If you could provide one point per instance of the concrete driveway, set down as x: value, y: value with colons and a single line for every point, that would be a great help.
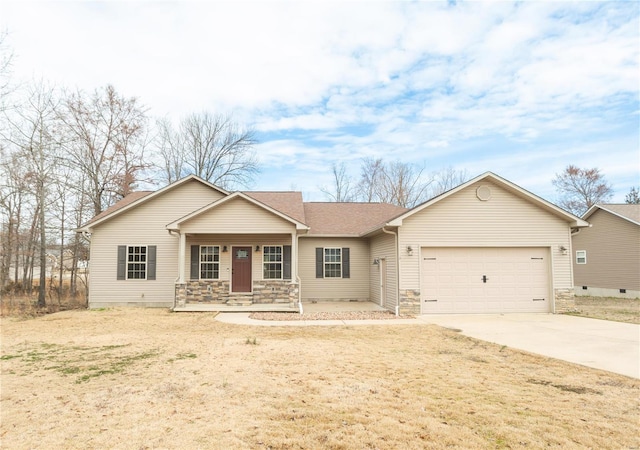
x: 601, y: 344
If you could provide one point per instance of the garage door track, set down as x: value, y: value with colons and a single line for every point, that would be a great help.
x: 601, y: 344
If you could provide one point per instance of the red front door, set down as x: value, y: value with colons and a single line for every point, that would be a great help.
x: 241, y: 269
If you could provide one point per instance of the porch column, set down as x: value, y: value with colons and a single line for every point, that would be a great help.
x: 294, y: 257
x: 181, y: 257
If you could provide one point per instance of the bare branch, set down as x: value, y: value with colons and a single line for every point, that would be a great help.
x: 580, y: 189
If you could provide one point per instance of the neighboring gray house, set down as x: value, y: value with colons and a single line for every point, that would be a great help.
x: 484, y: 246
x: 606, y: 260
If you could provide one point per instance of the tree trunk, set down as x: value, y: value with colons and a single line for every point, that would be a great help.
x: 42, y: 289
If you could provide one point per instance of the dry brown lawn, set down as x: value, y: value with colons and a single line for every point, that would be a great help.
x: 609, y: 308
x: 141, y: 379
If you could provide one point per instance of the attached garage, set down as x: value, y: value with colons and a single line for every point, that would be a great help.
x: 486, y: 246
x: 485, y: 280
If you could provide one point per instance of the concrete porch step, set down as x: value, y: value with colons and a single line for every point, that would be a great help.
x: 255, y: 307
x: 240, y: 301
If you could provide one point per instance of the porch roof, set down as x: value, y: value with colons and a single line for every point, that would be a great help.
x: 175, y: 225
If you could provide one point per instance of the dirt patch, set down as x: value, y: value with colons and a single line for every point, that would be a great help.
x: 141, y: 378
x: 608, y: 308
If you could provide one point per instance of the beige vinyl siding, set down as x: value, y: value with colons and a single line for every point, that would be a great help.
x: 143, y: 225
x: 248, y: 240
x: 462, y: 220
x: 237, y: 216
x: 613, y: 253
x: 354, y: 288
x: 383, y: 246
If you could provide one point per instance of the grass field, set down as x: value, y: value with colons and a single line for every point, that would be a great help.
x: 141, y: 379
x: 609, y: 308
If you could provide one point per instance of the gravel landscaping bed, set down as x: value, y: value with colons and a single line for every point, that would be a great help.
x: 342, y: 315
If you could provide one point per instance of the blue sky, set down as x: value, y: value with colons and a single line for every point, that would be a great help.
x: 521, y: 89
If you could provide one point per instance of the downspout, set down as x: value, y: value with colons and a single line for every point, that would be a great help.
x: 397, y: 270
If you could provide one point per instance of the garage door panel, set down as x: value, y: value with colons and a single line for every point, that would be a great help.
x: 515, y: 280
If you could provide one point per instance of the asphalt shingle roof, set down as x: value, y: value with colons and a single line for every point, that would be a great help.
x: 348, y: 218
x: 323, y: 218
x: 629, y: 211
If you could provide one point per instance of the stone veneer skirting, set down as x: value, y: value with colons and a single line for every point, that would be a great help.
x: 565, y: 300
x: 410, y: 301
x: 217, y: 292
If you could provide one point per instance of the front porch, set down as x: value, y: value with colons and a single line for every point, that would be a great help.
x: 308, y: 307
x: 209, y: 295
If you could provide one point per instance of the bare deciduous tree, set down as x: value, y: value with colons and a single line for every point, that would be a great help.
x: 105, y: 141
x: 343, y: 189
x: 580, y: 189
x: 213, y: 147
x: 403, y: 185
x: 6, y: 59
x: 397, y: 183
x: 633, y: 197
x: 371, y: 172
x: 447, y: 179
x: 32, y: 132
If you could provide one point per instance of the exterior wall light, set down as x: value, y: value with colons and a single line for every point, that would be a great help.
x: 224, y: 249
x: 257, y: 248
x: 563, y: 249
x: 409, y: 250
x: 376, y: 261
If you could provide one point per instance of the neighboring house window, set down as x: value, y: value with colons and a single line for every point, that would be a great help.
x: 581, y: 257
x: 272, y: 262
x: 136, y: 262
x: 332, y: 262
x: 209, y: 262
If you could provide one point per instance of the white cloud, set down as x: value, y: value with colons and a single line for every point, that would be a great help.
x: 408, y: 80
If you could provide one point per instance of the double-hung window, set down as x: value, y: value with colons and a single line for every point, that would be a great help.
x: 272, y: 262
x: 136, y: 262
x: 581, y: 257
x: 209, y: 262
x: 333, y: 263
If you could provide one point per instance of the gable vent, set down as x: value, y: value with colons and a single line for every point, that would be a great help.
x: 483, y: 193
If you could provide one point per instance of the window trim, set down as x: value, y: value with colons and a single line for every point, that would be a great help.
x: 581, y: 254
x: 214, y: 263
x: 345, y: 263
x: 324, y: 262
x: 281, y: 262
x: 145, y: 263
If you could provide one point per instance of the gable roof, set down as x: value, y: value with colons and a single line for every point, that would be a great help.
x: 629, y: 212
x: 289, y: 203
x: 130, y: 198
x: 175, y: 225
x: 136, y: 198
x: 575, y: 221
x: 347, y: 219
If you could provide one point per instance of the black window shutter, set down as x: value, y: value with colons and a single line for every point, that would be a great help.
x: 122, y: 262
x: 286, y: 262
x: 151, y: 262
x: 346, y: 270
x: 195, y: 262
x: 319, y: 262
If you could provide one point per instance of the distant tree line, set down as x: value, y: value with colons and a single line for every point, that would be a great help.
x: 67, y: 155
x: 399, y: 183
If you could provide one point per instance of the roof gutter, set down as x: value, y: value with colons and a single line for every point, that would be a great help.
x: 395, y: 234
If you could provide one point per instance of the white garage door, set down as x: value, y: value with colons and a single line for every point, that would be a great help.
x: 484, y: 280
